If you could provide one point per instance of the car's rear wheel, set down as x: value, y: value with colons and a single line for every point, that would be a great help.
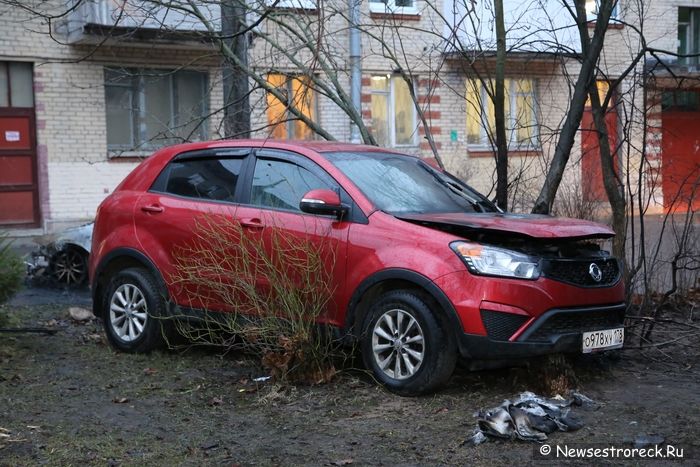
x: 405, y: 344
x: 133, y: 308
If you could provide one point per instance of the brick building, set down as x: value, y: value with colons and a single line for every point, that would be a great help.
x: 58, y: 159
x: 80, y: 107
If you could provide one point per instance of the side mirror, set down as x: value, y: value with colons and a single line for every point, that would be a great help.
x: 324, y: 202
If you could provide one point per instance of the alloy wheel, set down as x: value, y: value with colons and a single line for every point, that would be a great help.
x: 68, y: 267
x: 398, y: 344
x: 128, y: 312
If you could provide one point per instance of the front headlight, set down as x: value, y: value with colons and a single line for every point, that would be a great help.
x: 492, y: 261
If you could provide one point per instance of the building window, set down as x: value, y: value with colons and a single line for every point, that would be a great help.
x: 297, y: 90
x: 521, y: 123
x: 393, y: 111
x: 393, y: 6
x: 16, y: 84
x: 688, y: 34
x: 603, y: 88
x: 147, y: 109
x: 592, y: 10
x: 680, y: 101
x: 293, y: 4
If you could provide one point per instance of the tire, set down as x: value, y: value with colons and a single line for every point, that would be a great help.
x: 132, y: 301
x: 68, y: 267
x: 426, y: 353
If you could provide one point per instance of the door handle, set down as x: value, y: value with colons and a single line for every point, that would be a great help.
x: 253, y: 223
x: 154, y: 208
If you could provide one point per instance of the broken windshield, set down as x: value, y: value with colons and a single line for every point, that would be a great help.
x: 399, y: 184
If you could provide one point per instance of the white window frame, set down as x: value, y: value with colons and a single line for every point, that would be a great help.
x: 391, y: 113
x: 692, y: 42
x: 294, y: 4
x: 592, y: 10
x: 390, y: 7
x: 484, y: 142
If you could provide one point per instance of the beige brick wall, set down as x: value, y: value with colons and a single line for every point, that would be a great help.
x: 75, y: 173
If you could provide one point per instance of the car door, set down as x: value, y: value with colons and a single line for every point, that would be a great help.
x: 278, y: 182
x: 193, y: 190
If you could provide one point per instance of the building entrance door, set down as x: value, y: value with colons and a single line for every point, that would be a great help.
x: 19, y: 193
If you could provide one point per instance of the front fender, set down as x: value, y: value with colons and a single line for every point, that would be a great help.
x: 406, y: 276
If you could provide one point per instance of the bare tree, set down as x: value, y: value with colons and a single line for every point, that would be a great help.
x: 236, y: 88
x: 590, y: 53
x: 499, y: 109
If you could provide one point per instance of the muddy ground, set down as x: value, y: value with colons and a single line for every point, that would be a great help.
x: 69, y: 399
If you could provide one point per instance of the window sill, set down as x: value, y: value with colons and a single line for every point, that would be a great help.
x: 511, y: 153
x: 395, y: 16
x: 306, y: 10
x: 611, y: 24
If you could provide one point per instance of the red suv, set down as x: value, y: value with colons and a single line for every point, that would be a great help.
x: 427, y: 269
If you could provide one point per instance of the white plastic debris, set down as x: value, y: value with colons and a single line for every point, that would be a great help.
x: 478, y: 437
x: 529, y: 417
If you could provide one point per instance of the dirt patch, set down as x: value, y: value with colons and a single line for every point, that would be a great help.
x: 69, y: 399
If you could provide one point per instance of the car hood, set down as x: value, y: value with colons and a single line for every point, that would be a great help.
x: 526, y: 225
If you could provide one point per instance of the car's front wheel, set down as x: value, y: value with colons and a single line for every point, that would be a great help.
x: 133, y: 306
x: 405, y: 344
x: 69, y: 266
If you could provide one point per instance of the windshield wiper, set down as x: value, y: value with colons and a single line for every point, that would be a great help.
x: 479, y: 205
x: 476, y: 203
x: 455, y: 188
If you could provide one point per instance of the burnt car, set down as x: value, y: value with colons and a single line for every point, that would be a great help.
x: 63, y: 258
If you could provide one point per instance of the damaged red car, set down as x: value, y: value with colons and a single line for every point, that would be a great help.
x: 428, y: 270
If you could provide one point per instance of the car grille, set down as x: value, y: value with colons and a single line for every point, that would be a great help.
x: 501, y: 326
x: 577, y: 272
x: 560, y: 322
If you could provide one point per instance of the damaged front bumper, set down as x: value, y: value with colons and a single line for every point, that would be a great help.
x: 555, y: 331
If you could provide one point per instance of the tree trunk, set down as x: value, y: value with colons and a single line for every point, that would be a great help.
x: 613, y: 186
x: 590, y: 51
x: 499, y: 111
x: 235, y: 76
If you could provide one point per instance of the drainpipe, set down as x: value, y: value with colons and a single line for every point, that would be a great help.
x: 355, y: 67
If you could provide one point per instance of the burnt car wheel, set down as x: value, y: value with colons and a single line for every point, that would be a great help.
x: 405, y: 344
x: 69, y: 266
x: 133, y: 306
